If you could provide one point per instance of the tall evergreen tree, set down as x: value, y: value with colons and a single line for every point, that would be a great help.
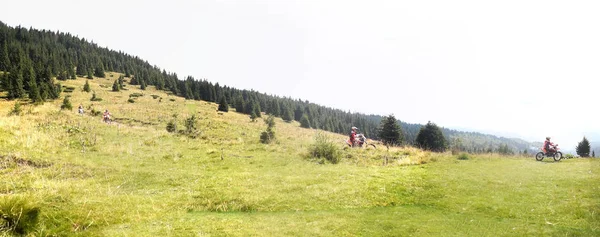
x: 143, y: 84
x: 81, y: 67
x: 273, y: 108
x: 72, y: 72
x: 15, y: 84
x: 304, y: 122
x: 4, y: 61
x: 240, y: 105
x: 288, y: 114
x: 256, y: 110
x: 430, y: 138
x: 583, y: 148
x: 34, y: 91
x: 390, y: 132
x: 99, y: 71
x: 223, y: 106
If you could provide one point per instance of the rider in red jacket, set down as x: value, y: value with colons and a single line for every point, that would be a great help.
x: 548, y: 146
x: 353, y: 135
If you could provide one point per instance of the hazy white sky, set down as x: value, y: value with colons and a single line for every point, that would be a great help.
x: 526, y: 69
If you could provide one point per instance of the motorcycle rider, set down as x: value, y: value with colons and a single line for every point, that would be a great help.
x: 106, y: 116
x: 548, y: 146
x: 353, y: 136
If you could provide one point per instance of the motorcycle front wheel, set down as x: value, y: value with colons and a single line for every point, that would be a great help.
x: 557, y: 156
x: 539, y: 156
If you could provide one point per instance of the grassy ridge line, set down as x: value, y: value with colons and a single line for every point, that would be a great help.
x: 140, y: 180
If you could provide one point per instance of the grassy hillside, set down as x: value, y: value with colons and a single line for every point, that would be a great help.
x: 133, y: 178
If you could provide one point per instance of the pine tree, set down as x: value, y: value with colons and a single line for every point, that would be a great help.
x: 253, y: 116
x: 223, y: 106
x: 390, y: 132
x: 304, y: 122
x: 3, y: 81
x: 121, y: 82
x: 89, y: 74
x: 4, y: 61
x: 72, y: 75
x: 249, y: 107
x: 256, y: 110
x: 99, y: 71
x: 274, y: 108
x: 240, y: 105
x: 81, y: 67
x: 288, y: 114
x: 583, y: 148
x: 430, y: 137
x: 593, y: 154
x: 115, y: 86
x: 34, y: 91
x: 269, y: 135
x: 86, y: 87
x: 143, y: 84
x: 66, y: 104
x: 15, y: 84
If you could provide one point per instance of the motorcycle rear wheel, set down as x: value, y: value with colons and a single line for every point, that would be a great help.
x: 539, y: 156
x: 557, y: 156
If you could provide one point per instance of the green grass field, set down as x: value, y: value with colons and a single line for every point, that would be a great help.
x: 133, y: 178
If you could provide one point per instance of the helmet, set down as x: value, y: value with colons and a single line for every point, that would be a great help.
x: 547, y: 138
x: 354, y: 128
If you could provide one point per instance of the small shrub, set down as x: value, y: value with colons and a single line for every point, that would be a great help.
x: 66, y: 104
x: 325, y: 149
x: 68, y: 89
x: 135, y: 95
x: 95, y: 112
x: 155, y: 97
x: 455, y: 151
x: 17, y: 215
x: 171, y: 126
x: 94, y: 98
x: 463, y: 156
x: 86, y: 87
x: 172, y: 99
x: 116, y: 87
x: 16, y: 109
x: 268, y: 136
x: 130, y: 100
x: 569, y: 156
x: 191, y: 129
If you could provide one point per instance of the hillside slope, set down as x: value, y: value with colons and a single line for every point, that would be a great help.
x: 133, y: 178
x: 46, y: 54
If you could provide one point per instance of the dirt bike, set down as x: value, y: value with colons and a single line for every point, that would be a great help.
x: 360, y: 141
x: 106, y: 119
x: 557, y: 155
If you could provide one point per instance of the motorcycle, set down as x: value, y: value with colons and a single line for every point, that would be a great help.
x: 557, y: 155
x: 360, y: 141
